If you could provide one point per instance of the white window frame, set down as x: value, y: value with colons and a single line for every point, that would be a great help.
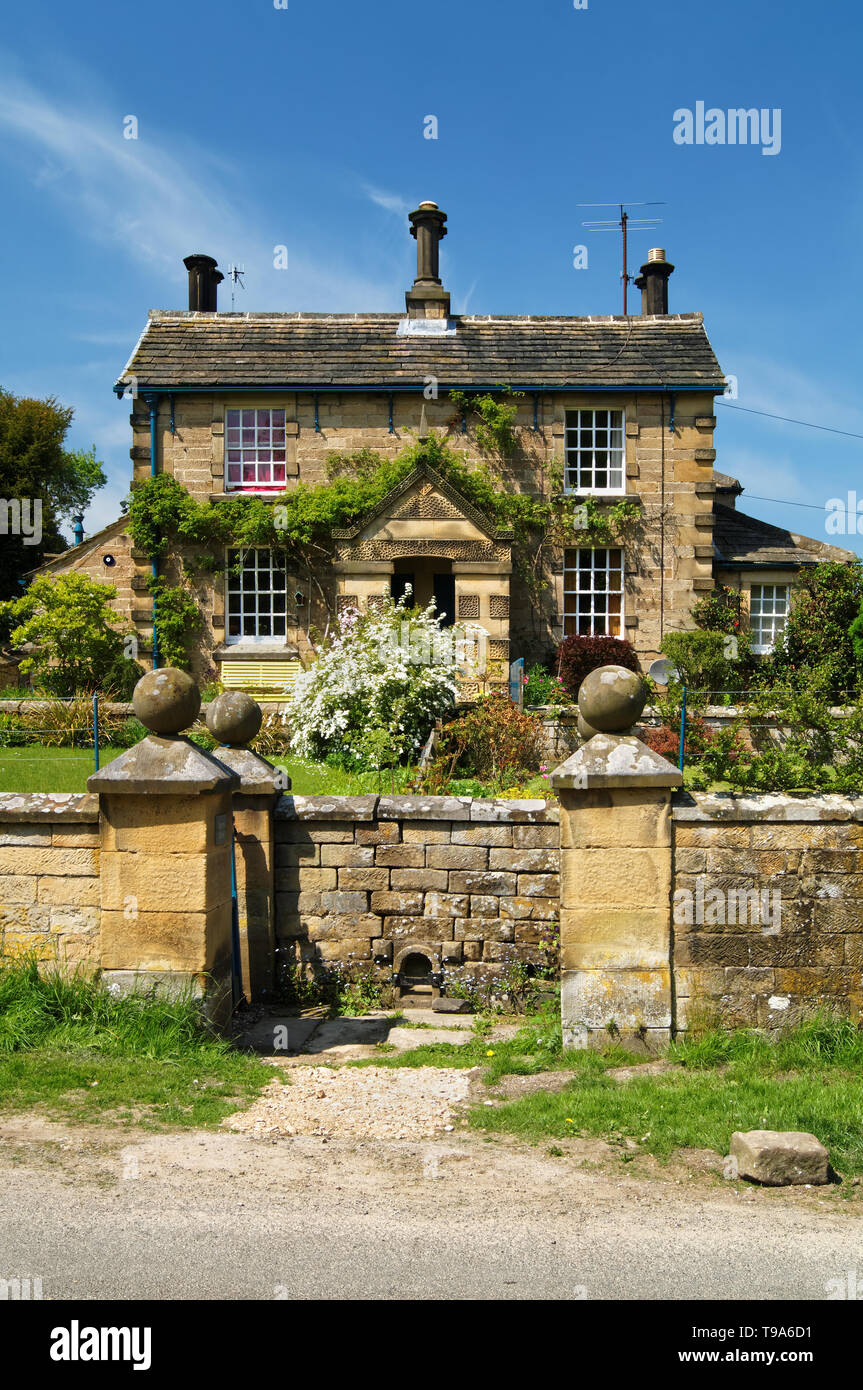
x: 573, y: 426
x: 598, y: 594
x: 276, y: 566
x: 249, y: 451
x: 767, y: 618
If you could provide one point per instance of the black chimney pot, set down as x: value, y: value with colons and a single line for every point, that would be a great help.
x: 653, y: 282
x: 204, y: 279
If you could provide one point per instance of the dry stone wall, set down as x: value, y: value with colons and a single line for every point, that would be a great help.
x: 472, y: 883
x: 767, y: 908
x: 49, y: 877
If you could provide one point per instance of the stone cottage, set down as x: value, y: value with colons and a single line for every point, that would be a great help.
x: 609, y: 407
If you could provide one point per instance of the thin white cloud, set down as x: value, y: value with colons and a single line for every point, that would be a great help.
x: 140, y: 195
x: 390, y: 202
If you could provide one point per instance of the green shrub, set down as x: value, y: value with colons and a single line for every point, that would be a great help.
x: 542, y: 688
x: 494, y: 740
x: 817, y: 646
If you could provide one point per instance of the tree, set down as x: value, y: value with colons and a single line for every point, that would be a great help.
x: 816, y: 649
x: 71, y: 627
x: 42, y: 484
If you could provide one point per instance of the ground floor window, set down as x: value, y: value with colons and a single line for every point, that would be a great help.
x: 593, y: 592
x: 768, y: 613
x: 257, y: 592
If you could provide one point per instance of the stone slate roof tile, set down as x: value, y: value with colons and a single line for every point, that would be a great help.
x: 744, y: 540
x: 304, y: 351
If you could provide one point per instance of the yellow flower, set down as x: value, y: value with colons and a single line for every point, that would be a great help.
x: 489, y: 1053
x: 570, y: 1122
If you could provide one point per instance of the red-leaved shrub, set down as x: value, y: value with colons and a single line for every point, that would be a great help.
x: 666, y: 741
x: 578, y: 656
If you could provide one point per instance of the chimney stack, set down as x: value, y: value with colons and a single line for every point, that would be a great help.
x: 204, y: 279
x: 653, y: 282
x: 427, y: 299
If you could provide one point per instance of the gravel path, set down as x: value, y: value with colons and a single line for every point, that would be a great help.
x: 363, y: 1102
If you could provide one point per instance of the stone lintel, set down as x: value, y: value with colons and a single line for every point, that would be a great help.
x: 613, y: 760
x: 164, y: 765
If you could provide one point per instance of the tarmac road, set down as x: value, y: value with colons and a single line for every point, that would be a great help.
x: 222, y: 1216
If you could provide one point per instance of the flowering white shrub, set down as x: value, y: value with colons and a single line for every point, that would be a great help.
x: 381, y: 679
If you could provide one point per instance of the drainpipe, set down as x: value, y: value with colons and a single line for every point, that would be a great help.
x: 153, y: 403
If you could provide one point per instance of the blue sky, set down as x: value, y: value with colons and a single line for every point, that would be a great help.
x: 304, y: 126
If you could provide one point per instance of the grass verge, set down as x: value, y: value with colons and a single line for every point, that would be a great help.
x: 806, y: 1078
x: 70, y: 1049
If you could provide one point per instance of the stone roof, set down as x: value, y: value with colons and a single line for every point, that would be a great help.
x: 741, y: 540
x: 188, y: 351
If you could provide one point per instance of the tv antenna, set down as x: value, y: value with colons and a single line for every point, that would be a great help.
x: 625, y: 224
x: 235, y: 275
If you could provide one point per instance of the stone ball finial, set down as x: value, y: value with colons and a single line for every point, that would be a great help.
x: 166, y: 700
x: 234, y: 718
x: 611, y: 699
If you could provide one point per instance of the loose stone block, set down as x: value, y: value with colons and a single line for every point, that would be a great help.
x: 780, y: 1158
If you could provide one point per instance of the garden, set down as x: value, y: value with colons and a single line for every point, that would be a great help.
x: 359, y: 719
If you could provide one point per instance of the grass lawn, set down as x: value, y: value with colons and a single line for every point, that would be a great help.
x: 35, y: 768
x: 810, y: 1078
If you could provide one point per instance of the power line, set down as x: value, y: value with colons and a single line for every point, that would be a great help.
x: 849, y: 434
x: 753, y: 497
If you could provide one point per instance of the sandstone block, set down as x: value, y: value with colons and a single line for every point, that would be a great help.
x: 365, y: 879
x: 780, y: 1158
x: 423, y: 879
x: 400, y: 856
x: 526, y: 861
x: 457, y: 857
x: 21, y: 888
x: 499, y: 836
x: 446, y: 904
x: 404, y: 903
x: 482, y: 883
x: 347, y: 856
x: 343, y: 902
x: 426, y: 833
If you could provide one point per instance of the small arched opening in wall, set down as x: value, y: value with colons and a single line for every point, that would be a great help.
x: 417, y: 974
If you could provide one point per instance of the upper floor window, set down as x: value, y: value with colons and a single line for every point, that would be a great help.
x: 768, y: 613
x: 594, y: 451
x: 593, y: 592
x: 255, y: 450
x: 257, y: 594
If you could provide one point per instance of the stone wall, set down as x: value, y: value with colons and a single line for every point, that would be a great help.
x: 773, y: 886
x: 49, y: 877
x: 366, y: 879
x: 669, y: 471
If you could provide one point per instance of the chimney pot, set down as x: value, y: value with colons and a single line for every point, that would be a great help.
x: 427, y: 299
x: 653, y: 282
x: 204, y: 279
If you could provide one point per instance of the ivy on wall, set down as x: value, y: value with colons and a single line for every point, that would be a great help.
x: 165, y: 520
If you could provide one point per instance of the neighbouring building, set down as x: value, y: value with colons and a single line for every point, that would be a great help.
x: 610, y: 407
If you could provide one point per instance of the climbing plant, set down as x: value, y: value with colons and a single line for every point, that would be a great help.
x: 164, y: 518
x: 494, y: 420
